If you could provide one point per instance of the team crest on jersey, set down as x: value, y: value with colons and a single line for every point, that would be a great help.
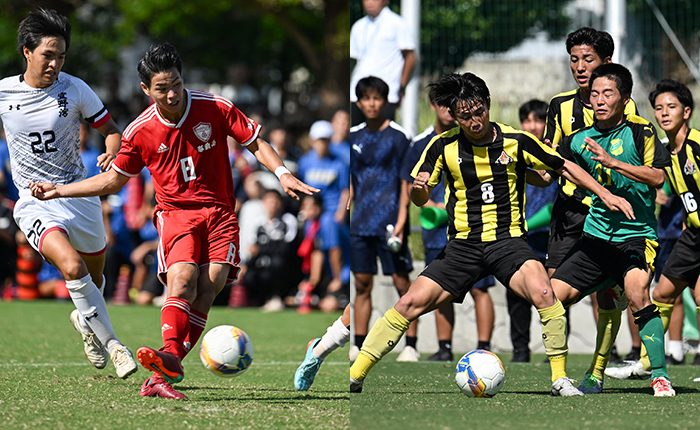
x: 616, y: 147
x: 690, y: 168
x: 504, y: 159
x: 203, y: 131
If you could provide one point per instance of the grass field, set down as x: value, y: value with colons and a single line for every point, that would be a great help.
x: 46, y: 382
x: 424, y: 396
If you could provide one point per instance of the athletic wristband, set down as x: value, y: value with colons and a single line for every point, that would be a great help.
x: 281, y: 170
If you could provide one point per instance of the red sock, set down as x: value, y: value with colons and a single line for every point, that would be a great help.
x: 198, y: 321
x: 175, y: 323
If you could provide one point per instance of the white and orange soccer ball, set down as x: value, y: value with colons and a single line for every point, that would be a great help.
x: 226, y: 350
x: 480, y: 373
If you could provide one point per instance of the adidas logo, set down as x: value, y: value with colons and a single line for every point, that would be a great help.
x: 162, y: 148
x: 165, y: 327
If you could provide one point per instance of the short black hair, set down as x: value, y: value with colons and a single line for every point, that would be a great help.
x: 538, y: 107
x: 158, y: 58
x: 617, y: 73
x: 601, y: 41
x: 453, y: 87
x: 681, y: 92
x: 42, y: 23
x: 372, y: 83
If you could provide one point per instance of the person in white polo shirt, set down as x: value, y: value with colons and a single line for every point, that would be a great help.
x: 382, y: 45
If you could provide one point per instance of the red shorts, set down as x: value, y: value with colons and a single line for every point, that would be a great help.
x: 198, y: 236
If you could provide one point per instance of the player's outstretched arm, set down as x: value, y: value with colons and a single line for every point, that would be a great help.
x: 420, y: 190
x: 578, y: 176
x: 113, y: 138
x: 267, y: 156
x: 647, y: 175
x: 108, y: 182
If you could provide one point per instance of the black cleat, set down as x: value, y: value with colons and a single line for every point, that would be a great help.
x: 441, y: 355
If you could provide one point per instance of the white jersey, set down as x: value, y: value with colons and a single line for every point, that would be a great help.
x: 43, y: 129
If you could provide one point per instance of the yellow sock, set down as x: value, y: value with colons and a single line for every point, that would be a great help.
x: 381, y: 339
x: 608, y: 326
x: 665, y: 310
x: 554, y: 338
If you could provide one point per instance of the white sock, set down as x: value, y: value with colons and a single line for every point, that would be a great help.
x: 92, y: 307
x: 81, y: 319
x: 675, y: 349
x: 336, y: 337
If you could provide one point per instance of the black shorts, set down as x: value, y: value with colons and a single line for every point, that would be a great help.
x: 566, y: 228
x: 684, y: 261
x: 593, y: 261
x: 464, y: 262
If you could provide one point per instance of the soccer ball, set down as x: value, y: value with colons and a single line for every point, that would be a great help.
x: 480, y: 373
x: 226, y: 350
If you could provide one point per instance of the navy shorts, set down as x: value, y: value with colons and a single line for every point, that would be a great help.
x: 364, y: 251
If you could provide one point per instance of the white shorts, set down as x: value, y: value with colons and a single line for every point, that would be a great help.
x: 80, y: 218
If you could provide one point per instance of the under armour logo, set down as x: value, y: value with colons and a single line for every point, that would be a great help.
x: 89, y: 317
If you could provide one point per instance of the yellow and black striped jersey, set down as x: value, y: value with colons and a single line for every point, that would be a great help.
x: 485, y: 185
x: 684, y: 176
x: 566, y: 115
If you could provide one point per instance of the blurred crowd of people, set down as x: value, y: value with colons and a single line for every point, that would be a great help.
x: 293, y: 254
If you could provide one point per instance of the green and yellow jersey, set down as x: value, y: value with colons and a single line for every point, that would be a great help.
x: 566, y: 115
x: 634, y: 142
x: 684, y: 176
x: 485, y: 185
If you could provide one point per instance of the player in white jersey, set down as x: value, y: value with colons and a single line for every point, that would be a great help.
x: 41, y: 111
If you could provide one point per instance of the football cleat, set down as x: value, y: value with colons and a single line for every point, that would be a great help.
x: 123, y: 361
x: 164, y: 363
x: 408, y: 355
x: 306, y: 372
x: 94, y: 351
x: 590, y: 385
x: 155, y: 386
x: 441, y: 355
x: 662, y: 387
x: 564, y: 387
x: 631, y: 370
x: 356, y: 386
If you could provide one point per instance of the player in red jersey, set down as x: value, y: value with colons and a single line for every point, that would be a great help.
x: 181, y: 139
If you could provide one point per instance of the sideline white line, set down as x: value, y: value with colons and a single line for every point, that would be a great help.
x: 86, y: 364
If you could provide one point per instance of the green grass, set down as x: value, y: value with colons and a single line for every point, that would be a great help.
x: 46, y: 382
x: 424, y: 396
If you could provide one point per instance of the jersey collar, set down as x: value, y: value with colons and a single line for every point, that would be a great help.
x: 188, y: 100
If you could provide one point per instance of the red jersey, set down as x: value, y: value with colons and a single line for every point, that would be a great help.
x: 189, y: 160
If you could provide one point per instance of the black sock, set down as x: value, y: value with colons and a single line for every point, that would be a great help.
x: 359, y: 340
x: 445, y: 345
x: 484, y: 344
x: 411, y: 341
x: 637, y: 349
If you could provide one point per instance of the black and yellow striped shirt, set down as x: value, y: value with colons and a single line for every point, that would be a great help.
x: 684, y: 176
x: 566, y: 115
x: 485, y: 185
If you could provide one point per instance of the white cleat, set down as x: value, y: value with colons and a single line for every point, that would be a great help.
x: 94, y: 351
x: 123, y: 361
x: 353, y: 353
x: 564, y: 387
x: 630, y: 370
x: 408, y: 355
x: 662, y: 387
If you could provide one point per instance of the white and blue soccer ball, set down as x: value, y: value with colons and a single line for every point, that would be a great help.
x: 226, y: 350
x: 480, y: 373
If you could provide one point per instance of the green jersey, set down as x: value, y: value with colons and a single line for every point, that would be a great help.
x: 634, y: 142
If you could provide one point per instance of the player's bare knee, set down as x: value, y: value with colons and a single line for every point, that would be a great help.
x: 73, y: 268
x: 409, y: 307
